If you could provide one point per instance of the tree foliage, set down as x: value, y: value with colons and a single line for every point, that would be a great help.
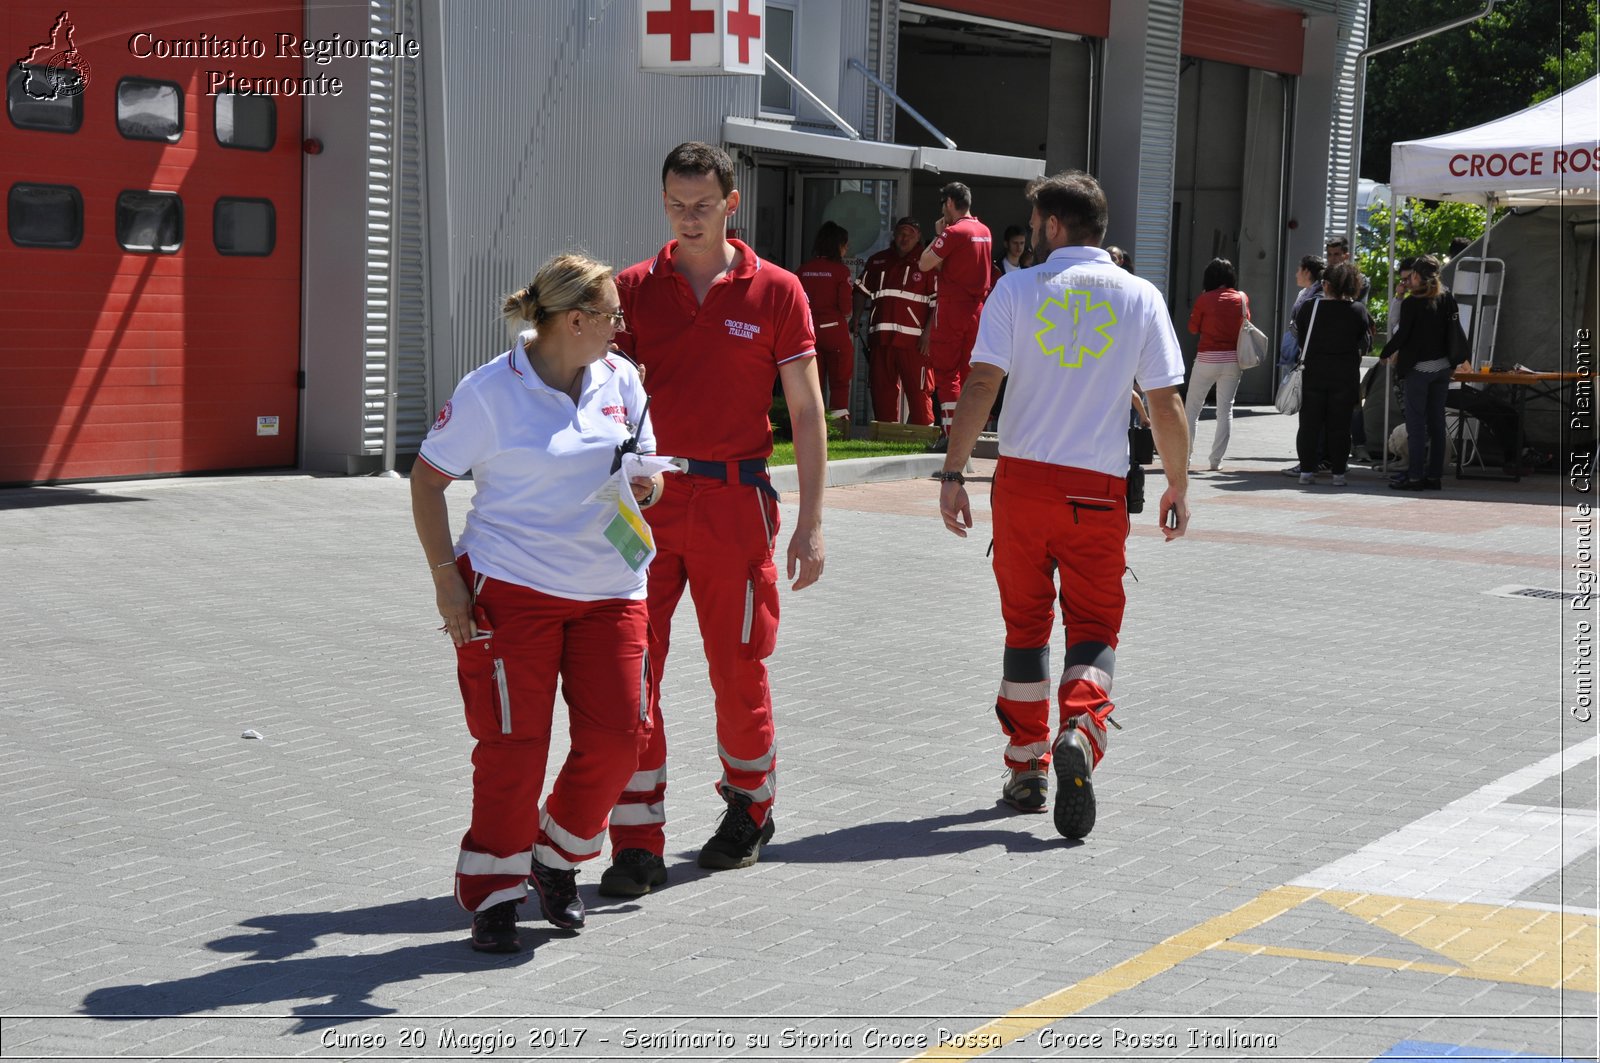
x: 1523, y: 51
x: 1421, y: 229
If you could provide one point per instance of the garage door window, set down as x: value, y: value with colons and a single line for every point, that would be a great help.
x: 244, y: 226
x: 150, y: 221
x: 249, y: 122
x: 48, y: 99
x: 149, y: 110
x: 44, y: 215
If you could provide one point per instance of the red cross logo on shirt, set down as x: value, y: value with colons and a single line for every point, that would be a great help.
x: 681, y: 24
x: 745, y: 27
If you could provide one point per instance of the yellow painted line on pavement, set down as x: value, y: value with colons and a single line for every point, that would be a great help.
x: 1155, y: 960
x: 1341, y: 957
x: 1521, y: 946
x: 1524, y: 946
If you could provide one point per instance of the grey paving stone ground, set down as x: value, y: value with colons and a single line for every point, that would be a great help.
x: 1312, y: 670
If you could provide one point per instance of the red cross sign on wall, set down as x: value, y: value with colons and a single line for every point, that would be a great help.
x: 744, y: 26
x: 702, y: 36
x: 680, y: 23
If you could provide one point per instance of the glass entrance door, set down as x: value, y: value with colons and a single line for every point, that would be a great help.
x: 865, y: 203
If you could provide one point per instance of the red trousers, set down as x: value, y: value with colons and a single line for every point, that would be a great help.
x: 715, y: 539
x: 955, y: 329
x: 897, y: 367
x: 508, y: 682
x: 836, y: 350
x: 1051, y: 519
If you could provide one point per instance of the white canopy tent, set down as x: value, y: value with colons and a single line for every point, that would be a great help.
x: 1542, y: 155
x: 1547, y: 154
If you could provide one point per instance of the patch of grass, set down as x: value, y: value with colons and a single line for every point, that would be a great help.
x: 839, y: 449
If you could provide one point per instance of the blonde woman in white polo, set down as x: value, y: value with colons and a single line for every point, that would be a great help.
x: 542, y: 585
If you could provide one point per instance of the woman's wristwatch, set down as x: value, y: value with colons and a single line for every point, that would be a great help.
x: 950, y: 477
x: 651, y: 497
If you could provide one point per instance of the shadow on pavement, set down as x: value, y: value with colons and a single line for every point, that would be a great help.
x: 902, y: 839
x: 1537, y: 490
x: 268, y: 974
x: 40, y: 497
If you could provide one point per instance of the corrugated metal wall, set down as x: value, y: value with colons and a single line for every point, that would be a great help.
x: 380, y: 222
x: 883, y: 49
x: 412, y: 326
x: 1352, y: 39
x: 1159, y: 141
x: 554, y: 142
x: 855, y: 42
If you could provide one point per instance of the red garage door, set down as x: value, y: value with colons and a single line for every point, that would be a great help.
x: 150, y: 269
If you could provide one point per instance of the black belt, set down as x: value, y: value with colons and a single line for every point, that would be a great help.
x: 752, y: 471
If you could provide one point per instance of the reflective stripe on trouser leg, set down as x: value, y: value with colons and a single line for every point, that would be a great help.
x: 1023, y: 707
x: 736, y: 772
x: 484, y: 880
x: 947, y: 414
x: 1085, y: 692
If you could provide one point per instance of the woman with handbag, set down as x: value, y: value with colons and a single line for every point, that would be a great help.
x: 1337, y: 331
x: 1216, y: 318
x: 1426, y: 347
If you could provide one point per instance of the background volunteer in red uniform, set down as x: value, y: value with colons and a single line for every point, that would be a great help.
x: 1074, y: 333
x: 826, y: 280
x: 714, y: 326
x: 538, y: 592
x: 963, y: 255
x: 902, y: 302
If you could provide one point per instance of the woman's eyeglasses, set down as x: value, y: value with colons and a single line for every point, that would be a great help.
x: 617, y: 320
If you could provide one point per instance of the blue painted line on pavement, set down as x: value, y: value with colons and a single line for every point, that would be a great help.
x: 1430, y: 1052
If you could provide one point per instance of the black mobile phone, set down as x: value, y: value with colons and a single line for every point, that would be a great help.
x: 1171, y: 518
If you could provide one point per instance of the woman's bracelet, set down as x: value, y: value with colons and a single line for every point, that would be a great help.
x: 445, y: 564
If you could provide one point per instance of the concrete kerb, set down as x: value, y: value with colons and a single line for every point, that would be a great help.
x: 843, y: 473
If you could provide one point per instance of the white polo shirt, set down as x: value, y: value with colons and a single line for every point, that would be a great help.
x: 534, y: 458
x: 1073, y: 333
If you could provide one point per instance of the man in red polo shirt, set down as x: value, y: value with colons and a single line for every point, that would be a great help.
x: 714, y: 326
x: 902, y: 301
x: 963, y: 255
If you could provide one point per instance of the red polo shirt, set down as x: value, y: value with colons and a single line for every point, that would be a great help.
x: 968, y: 271
x: 710, y: 367
x: 827, y: 285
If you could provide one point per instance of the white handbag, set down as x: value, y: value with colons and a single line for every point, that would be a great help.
x: 1252, y: 345
x: 1289, y: 388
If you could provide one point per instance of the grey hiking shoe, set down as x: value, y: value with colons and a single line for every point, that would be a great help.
x: 1074, y: 761
x: 1027, y: 789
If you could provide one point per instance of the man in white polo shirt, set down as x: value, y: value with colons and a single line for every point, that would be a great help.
x: 1074, y: 333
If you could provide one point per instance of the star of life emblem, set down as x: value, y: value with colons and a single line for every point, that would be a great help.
x: 1075, y: 324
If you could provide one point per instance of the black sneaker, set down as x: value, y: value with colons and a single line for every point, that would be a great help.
x: 739, y: 838
x: 633, y: 872
x: 939, y: 446
x: 1074, y: 760
x: 558, y: 895
x: 495, y: 928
